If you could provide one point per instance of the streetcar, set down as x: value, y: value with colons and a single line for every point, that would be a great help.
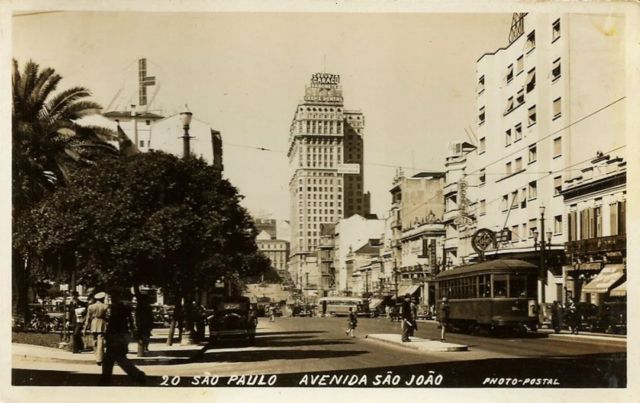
x: 494, y: 295
x: 339, y: 306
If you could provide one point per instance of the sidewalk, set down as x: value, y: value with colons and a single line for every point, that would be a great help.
x: 611, y: 338
x: 417, y: 343
x: 160, y: 353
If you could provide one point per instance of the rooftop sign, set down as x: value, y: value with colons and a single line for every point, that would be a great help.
x: 325, y: 79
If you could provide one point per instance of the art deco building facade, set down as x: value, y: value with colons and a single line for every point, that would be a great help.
x: 326, y: 179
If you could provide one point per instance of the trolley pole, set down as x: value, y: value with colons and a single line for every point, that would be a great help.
x: 543, y: 260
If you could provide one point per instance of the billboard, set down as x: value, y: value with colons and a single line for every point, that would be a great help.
x: 353, y: 169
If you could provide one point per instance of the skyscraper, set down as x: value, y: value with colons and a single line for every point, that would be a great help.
x: 326, y: 173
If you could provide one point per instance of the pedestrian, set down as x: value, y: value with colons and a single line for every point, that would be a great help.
x: 387, y: 311
x: 445, y: 311
x: 406, y: 318
x: 119, y: 330
x: 414, y: 316
x: 352, y: 323
x: 272, y: 313
x: 76, y: 317
x: 572, y: 317
x: 144, y: 322
x: 555, y: 317
x: 96, y: 323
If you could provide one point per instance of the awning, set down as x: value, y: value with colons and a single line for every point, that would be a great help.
x: 411, y: 289
x: 374, y: 303
x: 619, y: 291
x: 605, y: 279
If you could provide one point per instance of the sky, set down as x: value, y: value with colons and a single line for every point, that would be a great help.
x: 412, y: 75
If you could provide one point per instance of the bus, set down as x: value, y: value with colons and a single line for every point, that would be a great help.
x: 495, y: 294
x: 339, y: 306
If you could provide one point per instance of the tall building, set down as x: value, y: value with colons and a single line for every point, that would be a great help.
x: 546, y: 102
x: 326, y: 151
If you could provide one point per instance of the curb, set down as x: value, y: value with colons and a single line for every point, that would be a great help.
x: 588, y: 338
x: 420, y: 344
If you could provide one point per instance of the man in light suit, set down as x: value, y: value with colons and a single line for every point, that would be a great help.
x: 96, y: 322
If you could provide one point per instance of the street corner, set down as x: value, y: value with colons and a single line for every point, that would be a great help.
x: 417, y: 343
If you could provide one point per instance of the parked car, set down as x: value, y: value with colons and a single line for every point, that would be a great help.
x: 610, y: 317
x: 586, y: 311
x: 232, y: 318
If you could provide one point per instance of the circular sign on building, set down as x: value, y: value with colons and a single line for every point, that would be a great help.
x: 482, y: 240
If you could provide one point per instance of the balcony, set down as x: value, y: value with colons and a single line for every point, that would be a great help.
x: 596, y: 245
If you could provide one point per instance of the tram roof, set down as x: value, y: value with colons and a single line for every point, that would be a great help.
x: 499, y: 265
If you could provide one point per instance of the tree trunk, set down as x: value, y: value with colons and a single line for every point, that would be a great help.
x: 20, y: 268
x: 138, y: 294
x: 174, y: 321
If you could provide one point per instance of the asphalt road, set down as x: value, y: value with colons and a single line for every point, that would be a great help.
x: 296, y: 348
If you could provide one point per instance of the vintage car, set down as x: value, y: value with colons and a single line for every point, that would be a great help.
x: 232, y: 318
x: 610, y: 317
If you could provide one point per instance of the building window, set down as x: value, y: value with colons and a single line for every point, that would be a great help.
x: 556, y: 70
x: 523, y: 198
x: 509, y: 73
x: 533, y: 153
x: 520, y: 97
x: 530, y: 83
x: 555, y: 32
x: 141, y: 143
x: 483, y: 207
x: 557, y: 185
x: 509, y: 107
x: 557, y: 147
x: 557, y: 224
x: 617, y: 216
x: 520, y: 65
x: 557, y: 108
x: 533, y: 190
x: 532, y: 227
x: 483, y: 176
x: 518, y: 166
x: 505, y: 203
x: 482, y: 147
x: 514, y: 199
x: 523, y: 232
x: 481, y: 116
x: 532, y: 116
x: 518, y: 132
x: 508, y: 168
x: 507, y: 137
x: 531, y: 42
x: 480, y: 84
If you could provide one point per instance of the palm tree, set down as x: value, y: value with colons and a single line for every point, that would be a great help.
x: 47, y: 145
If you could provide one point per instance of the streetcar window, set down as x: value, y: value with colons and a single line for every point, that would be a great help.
x: 517, y: 286
x: 482, y: 286
x: 532, y: 286
x: 499, y: 286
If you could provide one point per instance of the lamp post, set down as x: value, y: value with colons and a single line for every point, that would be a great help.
x: 395, y: 275
x: 543, y: 243
x: 185, y: 118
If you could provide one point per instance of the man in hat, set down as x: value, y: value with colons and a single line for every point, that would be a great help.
x: 119, y: 330
x: 444, y: 317
x: 406, y: 318
x: 96, y: 322
x: 76, y: 312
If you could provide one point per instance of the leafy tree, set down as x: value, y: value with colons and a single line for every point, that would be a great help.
x: 48, y: 146
x: 148, y: 219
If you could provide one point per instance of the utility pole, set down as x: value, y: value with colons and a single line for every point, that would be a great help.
x: 543, y: 259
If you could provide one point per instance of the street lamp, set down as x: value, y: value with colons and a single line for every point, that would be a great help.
x: 185, y: 118
x: 543, y: 243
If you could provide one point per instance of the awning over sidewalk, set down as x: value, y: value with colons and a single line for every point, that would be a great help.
x: 620, y: 291
x: 605, y: 279
x: 411, y: 289
x: 374, y: 303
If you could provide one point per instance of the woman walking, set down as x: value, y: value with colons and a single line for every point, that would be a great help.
x: 353, y: 323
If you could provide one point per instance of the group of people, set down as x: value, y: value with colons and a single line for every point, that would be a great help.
x: 568, y: 314
x: 112, y: 326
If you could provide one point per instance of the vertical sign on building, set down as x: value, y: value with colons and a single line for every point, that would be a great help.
x: 144, y: 81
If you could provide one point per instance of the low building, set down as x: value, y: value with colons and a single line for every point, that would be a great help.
x: 596, y: 247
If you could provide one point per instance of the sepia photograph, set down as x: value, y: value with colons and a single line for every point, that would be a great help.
x: 324, y: 197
